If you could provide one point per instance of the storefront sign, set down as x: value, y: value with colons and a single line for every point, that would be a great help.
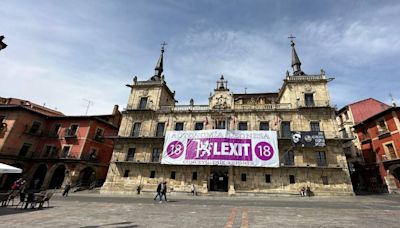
x: 221, y: 147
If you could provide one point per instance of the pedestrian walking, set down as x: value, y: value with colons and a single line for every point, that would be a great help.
x: 194, y: 192
x: 66, y: 189
x: 164, y: 191
x: 158, y: 191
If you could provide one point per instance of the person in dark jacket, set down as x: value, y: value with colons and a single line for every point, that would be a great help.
x: 164, y: 191
x: 158, y: 191
x: 66, y: 189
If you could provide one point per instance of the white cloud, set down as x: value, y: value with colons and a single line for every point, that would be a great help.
x: 63, y: 53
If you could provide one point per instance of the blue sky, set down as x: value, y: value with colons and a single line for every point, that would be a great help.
x: 62, y: 53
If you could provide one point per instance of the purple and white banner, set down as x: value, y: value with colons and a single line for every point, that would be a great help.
x: 221, y: 147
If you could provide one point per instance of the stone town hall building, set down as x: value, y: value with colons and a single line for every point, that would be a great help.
x: 301, y: 105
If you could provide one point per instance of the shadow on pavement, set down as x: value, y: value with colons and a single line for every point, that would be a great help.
x: 127, y: 225
x: 13, y: 210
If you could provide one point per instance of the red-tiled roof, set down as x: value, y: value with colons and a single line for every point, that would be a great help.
x: 366, y: 108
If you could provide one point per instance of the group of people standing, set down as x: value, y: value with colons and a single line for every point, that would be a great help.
x: 161, y: 191
x: 305, y: 191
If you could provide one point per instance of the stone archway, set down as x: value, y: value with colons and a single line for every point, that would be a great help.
x: 393, y: 178
x: 87, y: 176
x: 10, y: 178
x: 38, y: 177
x: 58, y: 177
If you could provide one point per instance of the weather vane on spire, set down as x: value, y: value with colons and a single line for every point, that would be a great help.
x: 291, y: 37
x: 163, y: 45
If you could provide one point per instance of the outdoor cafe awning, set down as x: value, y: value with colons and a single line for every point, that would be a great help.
x: 9, y: 169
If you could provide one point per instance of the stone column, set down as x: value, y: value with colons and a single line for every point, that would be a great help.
x: 231, y: 182
x: 204, y: 188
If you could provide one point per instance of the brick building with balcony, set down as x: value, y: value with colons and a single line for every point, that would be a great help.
x: 380, y: 145
x: 301, y: 105
x: 52, y: 148
x: 347, y: 117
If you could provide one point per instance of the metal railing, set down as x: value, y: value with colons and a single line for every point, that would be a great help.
x: 328, y: 134
x: 184, y: 108
x: 99, y: 138
x: 382, y: 131
x: 389, y: 157
x: 313, y: 103
x: 148, y: 82
x: 70, y: 133
x: 148, y: 106
x: 306, y: 78
x: 263, y: 106
x: 364, y: 137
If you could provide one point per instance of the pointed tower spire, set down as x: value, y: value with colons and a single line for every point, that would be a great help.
x: 159, y: 67
x: 295, y: 59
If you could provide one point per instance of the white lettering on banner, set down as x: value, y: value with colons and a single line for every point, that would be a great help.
x: 206, y: 148
x: 221, y: 147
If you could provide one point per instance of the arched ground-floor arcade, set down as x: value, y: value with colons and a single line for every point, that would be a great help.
x: 125, y: 177
x: 47, y: 174
x: 393, y: 177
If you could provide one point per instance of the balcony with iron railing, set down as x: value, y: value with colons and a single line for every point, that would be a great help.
x: 389, y: 157
x: 327, y: 134
x: 89, y: 158
x: 54, y: 154
x: 184, y: 108
x: 70, y: 133
x: 313, y: 104
x: 99, y: 138
x: 32, y: 131
x: 321, y: 163
x: 282, y: 106
x: 53, y: 134
x: 306, y: 78
x: 383, y: 133
x: 364, y: 137
x: 136, y: 108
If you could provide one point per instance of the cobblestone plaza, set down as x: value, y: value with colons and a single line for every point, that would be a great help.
x: 204, y: 211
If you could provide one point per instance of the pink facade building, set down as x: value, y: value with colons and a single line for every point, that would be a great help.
x: 52, y: 148
x: 380, y: 144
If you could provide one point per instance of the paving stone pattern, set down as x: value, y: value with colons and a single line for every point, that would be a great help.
x: 184, y: 211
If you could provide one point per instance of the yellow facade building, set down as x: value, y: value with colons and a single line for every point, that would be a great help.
x: 302, y: 106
